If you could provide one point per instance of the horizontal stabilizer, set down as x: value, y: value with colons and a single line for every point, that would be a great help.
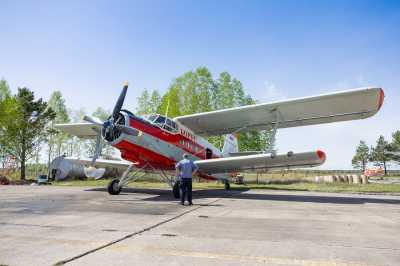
x: 261, y: 162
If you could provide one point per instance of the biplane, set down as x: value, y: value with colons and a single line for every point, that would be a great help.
x: 156, y: 143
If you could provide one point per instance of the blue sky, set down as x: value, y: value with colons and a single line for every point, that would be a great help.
x: 278, y: 49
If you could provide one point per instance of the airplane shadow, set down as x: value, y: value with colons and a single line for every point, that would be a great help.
x: 238, y: 193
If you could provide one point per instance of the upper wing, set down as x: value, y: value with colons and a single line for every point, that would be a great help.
x: 327, y: 108
x: 261, y: 162
x: 82, y: 130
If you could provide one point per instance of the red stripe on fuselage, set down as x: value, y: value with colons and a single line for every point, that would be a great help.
x: 178, y: 140
x: 141, y: 156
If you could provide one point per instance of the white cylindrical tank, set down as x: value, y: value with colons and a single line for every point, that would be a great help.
x: 61, y: 169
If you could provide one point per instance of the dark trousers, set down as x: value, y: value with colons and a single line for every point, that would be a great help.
x: 186, y: 189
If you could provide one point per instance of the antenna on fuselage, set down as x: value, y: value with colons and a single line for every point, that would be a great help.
x: 167, y: 109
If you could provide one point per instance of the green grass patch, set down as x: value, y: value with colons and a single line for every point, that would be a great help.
x: 302, y: 186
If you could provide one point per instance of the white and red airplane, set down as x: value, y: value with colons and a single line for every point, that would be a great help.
x: 156, y: 143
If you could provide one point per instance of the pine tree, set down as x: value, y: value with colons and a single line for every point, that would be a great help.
x: 380, y: 154
x: 361, y: 157
x: 22, y: 136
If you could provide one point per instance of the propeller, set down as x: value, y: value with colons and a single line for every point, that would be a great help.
x: 113, y: 120
x: 109, y: 127
x: 120, y: 101
x: 93, y: 120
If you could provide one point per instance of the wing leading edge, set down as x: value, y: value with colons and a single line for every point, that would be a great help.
x: 327, y: 108
x: 81, y: 130
x: 261, y: 162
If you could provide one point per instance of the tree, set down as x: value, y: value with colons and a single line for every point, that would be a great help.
x: 224, y: 94
x: 144, y: 105
x: 155, y: 101
x: 57, y: 141
x: 205, y: 86
x: 394, y: 146
x: 4, y: 89
x: 380, y: 154
x: 196, y: 91
x: 8, y: 113
x: 21, y: 137
x: 171, y: 103
x: 361, y: 157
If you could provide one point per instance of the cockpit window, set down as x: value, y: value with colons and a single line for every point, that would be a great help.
x: 152, y: 117
x: 164, y: 122
x: 160, y: 120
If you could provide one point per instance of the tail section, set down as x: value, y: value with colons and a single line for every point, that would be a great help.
x: 230, y: 145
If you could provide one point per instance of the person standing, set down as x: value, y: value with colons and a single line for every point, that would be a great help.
x: 185, y: 169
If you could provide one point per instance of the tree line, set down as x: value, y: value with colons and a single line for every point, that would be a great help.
x: 381, y: 154
x: 27, y: 129
x: 198, y: 91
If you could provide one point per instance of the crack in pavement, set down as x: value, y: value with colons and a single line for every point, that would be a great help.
x: 62, y: 262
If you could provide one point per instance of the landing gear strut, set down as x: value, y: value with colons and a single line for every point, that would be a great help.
x: 115, y: 186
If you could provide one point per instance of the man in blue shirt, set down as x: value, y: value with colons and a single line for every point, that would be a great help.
x: 185, y: 169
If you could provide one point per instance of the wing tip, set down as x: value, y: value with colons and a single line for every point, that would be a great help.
x: 321, y: 155
x: 381, y: 98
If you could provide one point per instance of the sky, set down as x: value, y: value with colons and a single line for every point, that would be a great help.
x: 277, y: 49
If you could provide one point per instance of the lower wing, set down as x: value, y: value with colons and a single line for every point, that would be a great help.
x: 261, y: 162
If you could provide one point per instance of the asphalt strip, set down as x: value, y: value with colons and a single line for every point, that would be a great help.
x: 62, y: 262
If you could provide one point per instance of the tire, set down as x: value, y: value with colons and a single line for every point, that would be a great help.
x: 113, y: 188
x: 227, y: 186
x: 176, y: 190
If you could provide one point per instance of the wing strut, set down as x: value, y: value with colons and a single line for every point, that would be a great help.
x: 278, y: 117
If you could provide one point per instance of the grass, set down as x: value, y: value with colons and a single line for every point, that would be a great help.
x: 294, y: 186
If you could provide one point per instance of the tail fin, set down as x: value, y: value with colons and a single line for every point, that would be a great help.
x: 230, y: 145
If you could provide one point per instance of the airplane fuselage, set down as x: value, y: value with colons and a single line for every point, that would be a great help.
x: 162, y: 146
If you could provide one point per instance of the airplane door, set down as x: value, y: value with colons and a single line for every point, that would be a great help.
x: 208, y: 153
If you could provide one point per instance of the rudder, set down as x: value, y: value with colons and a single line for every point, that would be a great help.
x: 230, y: 145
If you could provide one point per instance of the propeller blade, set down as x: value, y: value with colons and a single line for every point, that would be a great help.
x: 120, y: 101
x: 93, y: 120
x: 128, y: 130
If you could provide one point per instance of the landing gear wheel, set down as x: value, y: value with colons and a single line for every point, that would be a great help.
x: 176, y: 190
x: 113, y: 187
x: 227, y: 186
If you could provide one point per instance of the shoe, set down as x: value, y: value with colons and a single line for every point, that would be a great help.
x: 190, y: 203
x: 182, y: 203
